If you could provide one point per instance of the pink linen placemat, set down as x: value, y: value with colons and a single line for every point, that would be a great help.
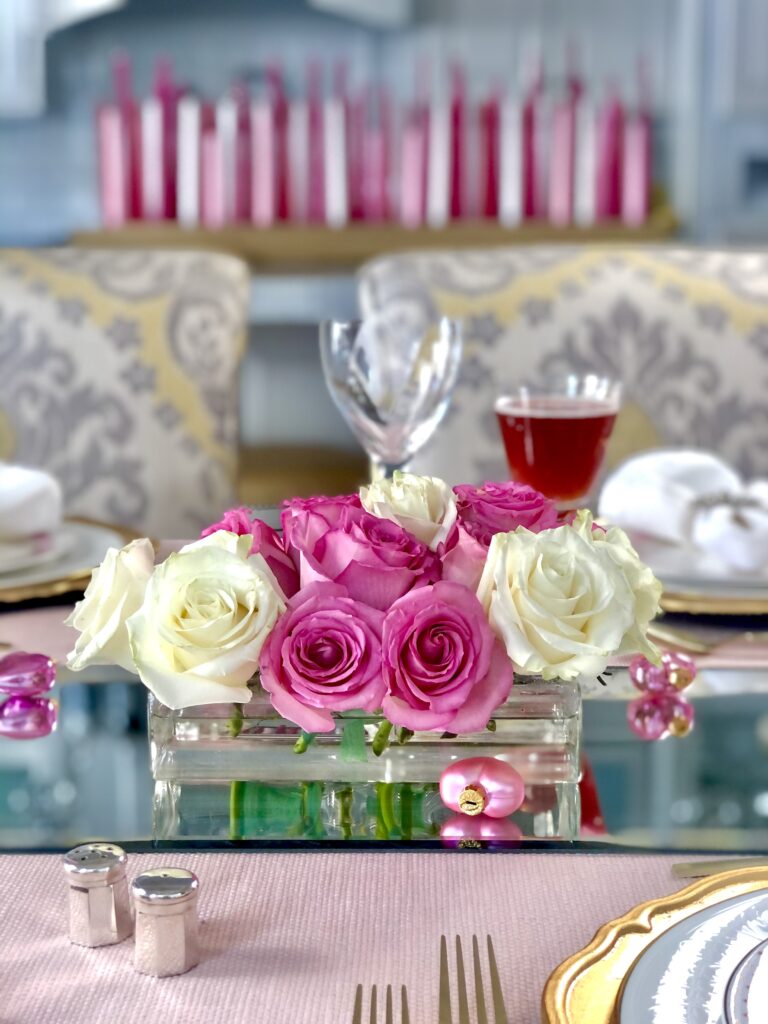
x: 287, y: 936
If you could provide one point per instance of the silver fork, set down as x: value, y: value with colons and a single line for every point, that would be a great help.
x: 388, y: 1018
x: 499, y: 1010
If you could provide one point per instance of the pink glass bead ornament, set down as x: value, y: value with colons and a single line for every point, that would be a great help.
x: 656, y: 717
x: 482, y: 785
x: 27, y: 718
x: 25, y: 673
x: 460, y: 829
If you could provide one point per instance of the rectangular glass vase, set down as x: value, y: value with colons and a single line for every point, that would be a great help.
x: 231, y: 771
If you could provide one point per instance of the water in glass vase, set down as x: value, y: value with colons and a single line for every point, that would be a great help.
x: 225, y: 773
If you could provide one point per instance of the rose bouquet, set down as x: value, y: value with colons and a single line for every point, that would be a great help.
x: 411, y: 600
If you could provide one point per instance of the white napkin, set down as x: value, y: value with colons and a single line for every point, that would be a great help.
x: 691, y: 497
x: 30, y: 503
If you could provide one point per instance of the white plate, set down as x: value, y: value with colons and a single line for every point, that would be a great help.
x: 88, y: 545
x: 26, y: 554
x: 746, y: 998
x: 682, y: 977
x: 683, y: 568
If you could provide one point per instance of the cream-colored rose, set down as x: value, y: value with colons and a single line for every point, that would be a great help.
x: 423, y: 505
x: 205, y: 616
x: 115, y: 592
x: 646, y: 588
x: 561, y: 600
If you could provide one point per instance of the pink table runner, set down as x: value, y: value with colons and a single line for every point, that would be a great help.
x: 287, y: 936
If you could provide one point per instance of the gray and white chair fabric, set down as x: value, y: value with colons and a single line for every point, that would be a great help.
x: 119, y: 374
x: 686, y: 330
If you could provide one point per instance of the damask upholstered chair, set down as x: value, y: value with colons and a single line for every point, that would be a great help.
x: 119, y: 375
x: 686, y: 330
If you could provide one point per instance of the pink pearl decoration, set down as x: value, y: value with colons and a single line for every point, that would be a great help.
x: 481, y: 827
x: 482, y: 784
x: 30, y: 674
x: 27, y: 718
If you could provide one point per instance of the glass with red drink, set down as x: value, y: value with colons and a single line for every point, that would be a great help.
x: 555, y: 434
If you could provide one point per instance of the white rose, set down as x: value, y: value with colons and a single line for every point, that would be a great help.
x: 115, y: 592
x: 206, y: 613
x: 423, y: 505
x: 560, y: 601
x: 644, y: 585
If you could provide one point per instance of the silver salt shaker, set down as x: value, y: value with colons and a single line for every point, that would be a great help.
x: 99, y: 905
x: 165, y: 900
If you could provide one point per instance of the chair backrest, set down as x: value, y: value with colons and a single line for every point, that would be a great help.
x: 686, y: 330
x: 119, y: 375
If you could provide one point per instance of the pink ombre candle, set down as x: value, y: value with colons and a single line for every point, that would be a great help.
x: 458, y: 141
x: 122, y: 73
x: 279, y: 105
x: 636, y: 170
x: 610, y: 142
x: 561, y: 162
x: 413, y: 161
x: 152, y: 165
x: 490, y: 125
x: 113, y: 181
x: 264, y: 164
x: 212, y: 201
x: 167, y: 94
x: 316, y: 143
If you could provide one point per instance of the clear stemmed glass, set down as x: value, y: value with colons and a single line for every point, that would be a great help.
x: 391, y: 384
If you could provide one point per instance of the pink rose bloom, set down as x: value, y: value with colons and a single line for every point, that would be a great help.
x: 375, y: 559
x: 266, y: 542
x: 328, y: 508
x: 443, y: 666
x: 499, y: 508
x: 323, y: 655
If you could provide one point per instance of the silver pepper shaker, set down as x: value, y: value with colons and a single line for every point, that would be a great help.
x: 99, y: 905
x: 165, y: 900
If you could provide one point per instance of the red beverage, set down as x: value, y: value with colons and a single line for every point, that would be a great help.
x: 556, y: 444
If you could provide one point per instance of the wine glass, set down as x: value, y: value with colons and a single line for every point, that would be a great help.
x: 391, y: 384
x: 555, y: 433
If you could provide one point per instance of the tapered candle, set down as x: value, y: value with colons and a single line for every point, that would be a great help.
x: 213, y: 208
x: 316, y: 145
x: 188, y: 162
x: 511, y: 184
x: 335, y: 169
x: 264, y: 166
x: 561, y: 162
x: 113, y: 183
x: 122, y: 71
x: 152, y: 176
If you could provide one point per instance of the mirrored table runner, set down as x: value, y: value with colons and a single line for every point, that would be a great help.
x: 92, y: 778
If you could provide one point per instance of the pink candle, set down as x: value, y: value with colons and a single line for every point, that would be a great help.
x: 561, y: 163
x: 279, y: 104
x: 489, y: 157
x: 264, y: 195
x: 636, y: 161
x: 458, y: 130
x: 167, y: 94
x: 413, y: 159
x: 212, y: 202
x: 122, y: 71
x: 113, y: 183
x: 152, y: 167
x: 610, y: 134
x: 316, y: 157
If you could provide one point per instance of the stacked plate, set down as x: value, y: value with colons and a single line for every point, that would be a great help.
x: 57, y: 564
x: 711, y: 968
x: 699, y: 583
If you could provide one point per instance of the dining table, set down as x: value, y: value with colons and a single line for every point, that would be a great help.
x: 290, y: 928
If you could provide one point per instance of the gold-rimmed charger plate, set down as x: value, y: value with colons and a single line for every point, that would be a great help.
x: 696, y: 603
x: 586, y: 988
x: 69, y: 573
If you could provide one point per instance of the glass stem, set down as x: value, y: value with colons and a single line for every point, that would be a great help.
x: 381, y: 470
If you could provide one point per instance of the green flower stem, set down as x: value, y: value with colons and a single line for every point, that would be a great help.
x: 403, y: 735
x: 406, y: 810
x: 345, y: 806
x: 236, y: 720
x: 381, y: 739
x: 303, y: 742
x: 236, y: 794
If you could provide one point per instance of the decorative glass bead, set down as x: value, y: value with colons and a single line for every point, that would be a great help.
x: 25, y: 673
x: 646, y: 719
x: 460, y: 829
x: 482, y: 785
x: 27, y: 718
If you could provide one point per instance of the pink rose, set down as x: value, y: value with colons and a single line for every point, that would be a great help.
x: 443, y: 666
x: 323, y: 655
x: 328, y: 508
x: 375, y: 559
x: 266, y: 542
x: 499, y: 508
